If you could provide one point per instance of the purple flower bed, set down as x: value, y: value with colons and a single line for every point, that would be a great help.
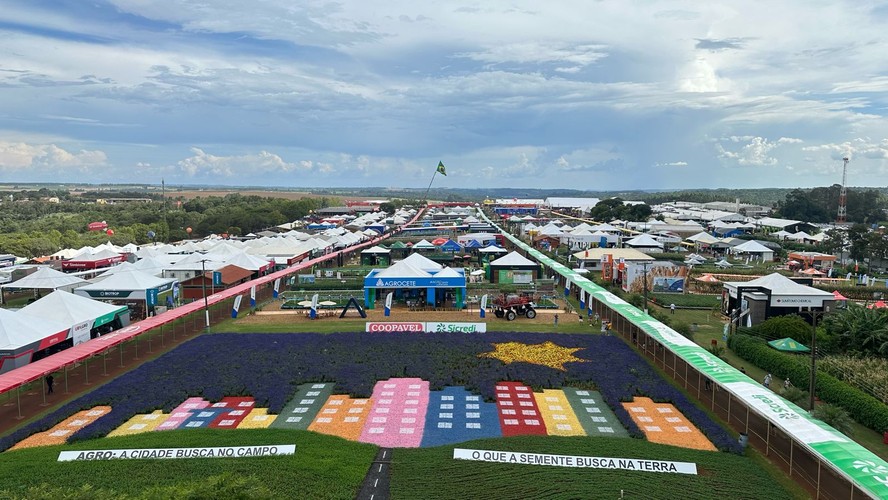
x: 269, y: 367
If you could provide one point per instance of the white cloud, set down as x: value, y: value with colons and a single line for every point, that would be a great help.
x: 672, y: 164
x: 756, y: 152
x: 859, y: 147
x: 20, y: 156
x: 263, y: 162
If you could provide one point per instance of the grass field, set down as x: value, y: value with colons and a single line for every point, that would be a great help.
x: 323, y: 466
x: 432, y: 473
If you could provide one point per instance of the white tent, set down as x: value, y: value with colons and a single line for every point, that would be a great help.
x: 755, y: 249
x: 513, y: 259
x: 493, y: 249
x: 643, y: 241
x: 47, y: 278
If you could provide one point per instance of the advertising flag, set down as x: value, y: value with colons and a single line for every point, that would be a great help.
x: 441, y: 169
x: 253, y: 296
x: 277, y: 287
x: 483, y: 305
x: 582, y: 300
x: 566, y: 288
x: 237, y: 303
x: 388, y: 304
x: 314, y: 306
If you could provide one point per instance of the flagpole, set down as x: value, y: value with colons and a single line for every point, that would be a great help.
x: 430, y: 186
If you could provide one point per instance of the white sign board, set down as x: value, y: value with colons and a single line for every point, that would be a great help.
x: 424, y: 326
x: 158, y: 453
x: 513, y: 457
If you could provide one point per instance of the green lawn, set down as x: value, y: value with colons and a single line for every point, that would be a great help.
x: 432, y: 472
x: 323, y: 466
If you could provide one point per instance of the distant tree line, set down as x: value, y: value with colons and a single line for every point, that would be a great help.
x: 30, y: 226
x: 822, y: 204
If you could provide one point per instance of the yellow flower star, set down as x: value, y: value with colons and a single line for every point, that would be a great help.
x: 545, y: 354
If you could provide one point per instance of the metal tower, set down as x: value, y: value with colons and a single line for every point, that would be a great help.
x: 843, y: 194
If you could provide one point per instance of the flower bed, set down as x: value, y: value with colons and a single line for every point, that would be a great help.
x: 271, y: 367
x: 64, y: 429
x: 662, y: 423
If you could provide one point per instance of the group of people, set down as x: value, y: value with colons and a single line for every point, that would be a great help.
x: 769, y: 378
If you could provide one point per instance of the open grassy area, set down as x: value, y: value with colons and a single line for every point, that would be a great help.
x: 432, y: 473
x: 323, y: 466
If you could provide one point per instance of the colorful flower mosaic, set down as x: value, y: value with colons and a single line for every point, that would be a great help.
x: 59, y: 433
x: 663, y: 423
x: 291, y: 375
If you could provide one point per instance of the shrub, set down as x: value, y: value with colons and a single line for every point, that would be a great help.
x: 862, y: 407
x: 834, y: 416
x: 798, y: 396
x: 779, y: 327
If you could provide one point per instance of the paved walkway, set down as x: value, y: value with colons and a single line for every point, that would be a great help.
x: 376, y: 484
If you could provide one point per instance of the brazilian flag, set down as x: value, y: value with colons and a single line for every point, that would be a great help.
x: 441, y: 169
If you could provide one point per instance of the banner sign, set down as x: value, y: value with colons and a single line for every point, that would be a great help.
x: 511, y: 457
x: 423, y: 326
x: 80, y: 332
x: 483, y: 305
x: 236, y: 307
x: 388, y: 304
x: 253, y: 296
x: 277, y: 287
x: 156, y: 453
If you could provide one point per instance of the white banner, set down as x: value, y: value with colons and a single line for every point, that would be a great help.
x: 314, y: 302
x: 80, y: 332
x: 157, y: 453
x: 253, y: 293
x: 424, y: 326
x: 388, y: 300
x: 277, y: 285
x: 237, y: 302
x: 512, y: 457
x: 484, y: 301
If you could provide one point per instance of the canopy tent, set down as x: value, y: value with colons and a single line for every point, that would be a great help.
x: 754, y: 248
x: 134, y: 288
x: 82, y: 314
x: 46, y: 278
x: 513, y: 268
x: 788, y: 345
x: 450, y: 246
x: 879, y: 304
x: 643, y: 241
x: 424, y: 245
x: 838, y: 295
x: 419, y: 277
x: 708, y: 278
x: 22, y: 336
x: 493, y: 249
x: 85, y: 261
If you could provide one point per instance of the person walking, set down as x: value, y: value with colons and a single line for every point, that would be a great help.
x: 671, y: 308
x: 49, y: 381
x: 787, y: 384
x: 767, y: 381
x: 556, y: 321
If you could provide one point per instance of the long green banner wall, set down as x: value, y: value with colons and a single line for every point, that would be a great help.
x: 859, y: 465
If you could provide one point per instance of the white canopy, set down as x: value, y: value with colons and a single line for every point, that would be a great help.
x: 68, y: 308
x: 46, y: 278
x: 513, y: 259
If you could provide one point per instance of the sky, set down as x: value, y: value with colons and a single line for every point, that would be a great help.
x: 576, y: 94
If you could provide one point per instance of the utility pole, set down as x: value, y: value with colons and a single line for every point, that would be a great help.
x: 644, y: 274
x: 203, y: 286
x: 812, y: 382
x: 166, y: 229
x: 843, y: 194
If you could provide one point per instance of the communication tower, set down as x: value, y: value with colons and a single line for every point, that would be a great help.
x: 843, y: 194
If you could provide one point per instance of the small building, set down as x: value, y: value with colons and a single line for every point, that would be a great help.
x: 592, y: 258
x: 513, y: 268
x: 214, y: 281
x: 752, y: 302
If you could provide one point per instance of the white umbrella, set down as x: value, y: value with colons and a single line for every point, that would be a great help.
x: 327, y: 303
x: 477, y: 272
x: 305, y: 303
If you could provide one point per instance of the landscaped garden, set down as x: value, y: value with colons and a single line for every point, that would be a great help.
x: 444, y: 388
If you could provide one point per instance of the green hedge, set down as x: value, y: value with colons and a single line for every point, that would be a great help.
x: 862, y: 407
x: 686, y: 300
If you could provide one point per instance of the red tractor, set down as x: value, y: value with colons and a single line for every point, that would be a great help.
x: 512, y: 305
